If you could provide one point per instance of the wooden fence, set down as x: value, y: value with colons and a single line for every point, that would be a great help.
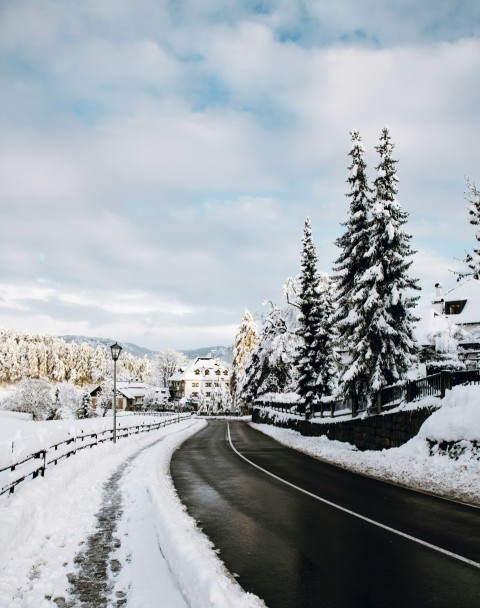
x: 387, y: 398
x: 35, y: 464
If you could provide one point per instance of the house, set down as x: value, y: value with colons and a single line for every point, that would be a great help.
x: 203, y: 382
x: 133, y: 396
x: 455, y: 316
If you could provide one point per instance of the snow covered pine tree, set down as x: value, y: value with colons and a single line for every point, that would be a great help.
x: 351, y: 264
x: 473, y: 259
x: 325, y: 339
x: 380, y: 345
x: 308, y: 355
x: 246, y: 342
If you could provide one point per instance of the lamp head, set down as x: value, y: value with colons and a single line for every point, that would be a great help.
x: 116, y: 350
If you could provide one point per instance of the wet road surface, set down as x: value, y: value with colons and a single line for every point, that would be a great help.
x: 294, y: 551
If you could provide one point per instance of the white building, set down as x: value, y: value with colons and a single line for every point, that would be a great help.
x: 133, y: 395
x: 455, y: 313
x: 203, y: 382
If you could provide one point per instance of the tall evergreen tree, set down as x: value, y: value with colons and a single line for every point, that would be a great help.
x: 352, y: 262
x: 326, y: 380
x: 381, y: 345
x: 307, y: 356
x: 246, y: 342
x: 473, y: 259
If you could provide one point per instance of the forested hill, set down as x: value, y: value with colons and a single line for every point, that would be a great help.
x: 133, y: 349
x: 225, y: 353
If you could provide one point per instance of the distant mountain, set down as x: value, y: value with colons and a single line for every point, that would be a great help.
x: 225, y: 353
x: 133, y: 349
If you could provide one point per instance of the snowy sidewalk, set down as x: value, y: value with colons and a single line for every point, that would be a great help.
x: 108, y: 523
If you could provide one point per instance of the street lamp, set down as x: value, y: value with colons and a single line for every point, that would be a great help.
x: 116, y: 350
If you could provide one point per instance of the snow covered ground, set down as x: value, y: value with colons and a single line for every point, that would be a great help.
x: 158, y: 556
x: 412, y: 465
x: 162, y: 559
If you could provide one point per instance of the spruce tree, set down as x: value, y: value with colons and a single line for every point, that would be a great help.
x: 307, y: 356
x: 246, y: 342
x: 473, y: 259
x: 352, y: 262
x: 381, y: 346
x: 324, y: 345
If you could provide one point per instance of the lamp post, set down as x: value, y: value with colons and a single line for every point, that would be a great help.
x: 116, y: 350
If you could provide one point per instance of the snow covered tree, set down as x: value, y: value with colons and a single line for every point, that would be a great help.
x: 325, y: 339
x: 86, y: 409
x: 165, y: 363
x: 33, y: 396
x: 308, y: 355
x: 377, y: 323
x: 105, y: 396
x: 473, y: 259
x: 246, y: 342
x: 354, y: 243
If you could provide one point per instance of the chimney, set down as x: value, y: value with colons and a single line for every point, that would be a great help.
x: 437, y: 303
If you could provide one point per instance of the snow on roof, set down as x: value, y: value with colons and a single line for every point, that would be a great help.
x: 430, y: 323
x: 469, y: 290
x: 205, y: 366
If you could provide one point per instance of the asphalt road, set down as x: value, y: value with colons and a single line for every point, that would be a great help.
x: 294, y: 551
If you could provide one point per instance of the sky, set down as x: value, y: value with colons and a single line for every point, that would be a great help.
x: 158, y: 158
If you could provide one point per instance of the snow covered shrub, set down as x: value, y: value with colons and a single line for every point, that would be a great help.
x: 86, y: 409
x: 36, y: 397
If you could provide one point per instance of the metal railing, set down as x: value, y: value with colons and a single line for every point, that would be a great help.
x: 35, y: 464
x: 386, y: 398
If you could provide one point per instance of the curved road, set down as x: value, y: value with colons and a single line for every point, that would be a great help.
x: 294, y: 550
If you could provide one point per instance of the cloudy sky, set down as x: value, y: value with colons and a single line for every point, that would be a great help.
x: 158, y: 158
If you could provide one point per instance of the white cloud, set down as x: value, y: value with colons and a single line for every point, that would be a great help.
x: 161, y: 161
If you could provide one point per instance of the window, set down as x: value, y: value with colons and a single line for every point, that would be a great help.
x: 225, y: 373
x: 208, y: 394
x: 195, y: 394
x: 208, y: 384
x: 197, y: 372
x: 195, y: 384
x: 454, y: 308
x: 207, y: 372
x: 216, y: 384
x: 218, y: 372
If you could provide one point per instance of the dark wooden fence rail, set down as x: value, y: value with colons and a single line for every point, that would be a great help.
x: 36, y: 463
x: 387, y: 398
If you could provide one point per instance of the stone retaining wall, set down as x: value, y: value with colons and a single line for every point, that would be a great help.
x: 388, y: 430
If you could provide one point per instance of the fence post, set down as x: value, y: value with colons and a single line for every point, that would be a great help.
x: 354, y: 405
x: 379, y: 401
x: 442, y: 385
x: 332, y: 409
x: 448, y: 380
x: 409, y: 391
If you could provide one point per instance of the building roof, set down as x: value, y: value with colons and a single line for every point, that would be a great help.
x: 201, y: 367
x: 469, y: 290
x: 130, y: 390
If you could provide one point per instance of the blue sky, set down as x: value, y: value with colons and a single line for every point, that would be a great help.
x: 158, y: 159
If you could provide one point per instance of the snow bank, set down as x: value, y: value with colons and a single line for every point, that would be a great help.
x: 457, y: 419
x: 202, y: 576
x: 44, y: 523
x: 412, y: 465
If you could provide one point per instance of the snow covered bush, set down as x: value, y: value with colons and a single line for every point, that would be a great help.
x: 36, y: 397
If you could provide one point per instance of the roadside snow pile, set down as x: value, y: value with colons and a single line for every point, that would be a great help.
x: 423, y: 463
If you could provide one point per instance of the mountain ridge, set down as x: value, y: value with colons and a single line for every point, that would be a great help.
x: 222, y: 352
